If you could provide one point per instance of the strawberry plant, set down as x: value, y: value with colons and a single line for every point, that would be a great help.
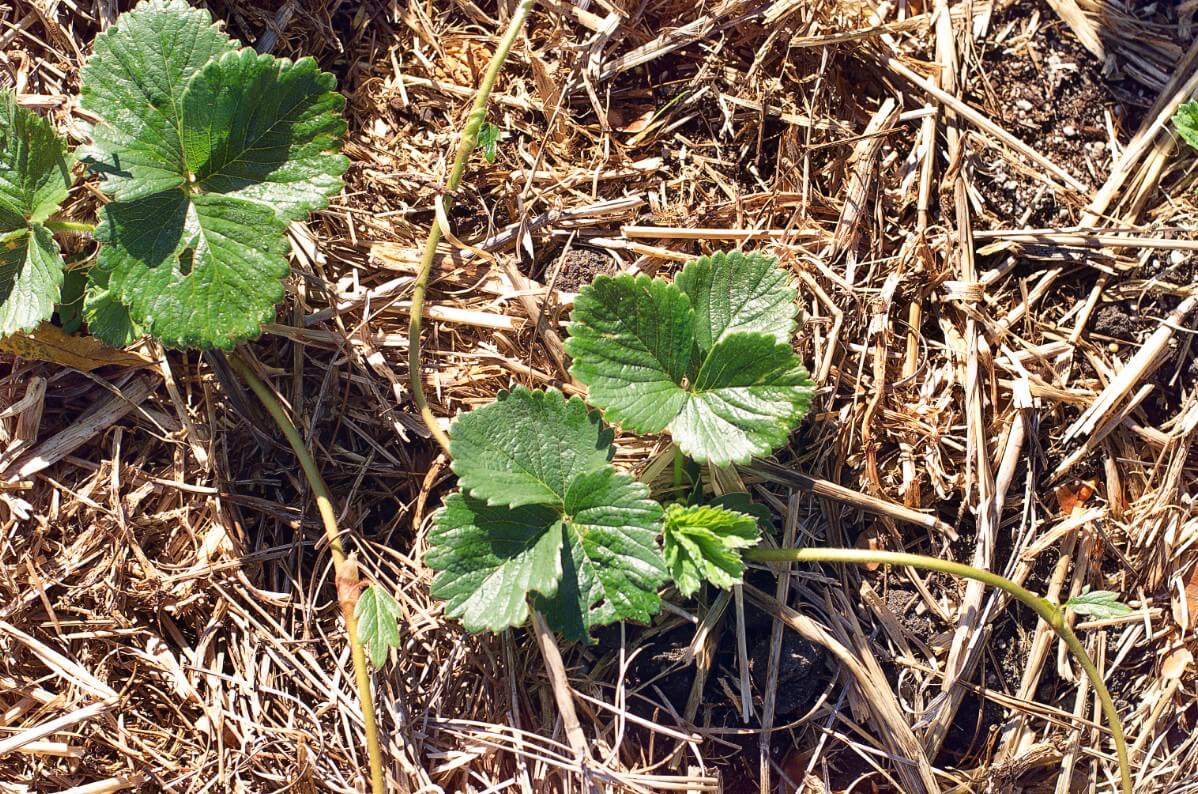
x: 206, y: 151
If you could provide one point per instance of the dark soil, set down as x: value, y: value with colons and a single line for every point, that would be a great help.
x: 579, y: 266
x: 801, y: 673
x: 1050, y: 93
x: 1114, y: 320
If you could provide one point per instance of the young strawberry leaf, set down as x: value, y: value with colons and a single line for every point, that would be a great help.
x: 652, y: 361
x: 543, y: 513
x: 527, y: 447
x: 35, y: 175
x: 378, y: 615
x: 703, y: 542
x: 1185, y: 121
x: 632, y: 343
x: 734, y: 292
x: 488, y: 140
x: 609, y: 556
x: 208, y: 153
x: 1099, y: 604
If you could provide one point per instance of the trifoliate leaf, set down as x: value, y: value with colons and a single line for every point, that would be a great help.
x: 488, y: 140
x: 1099, y: 604
x: 734, y: 292
x: 208, y: 152
x: 565, y: 526
x: 702, y: 542
x: 378, y: 615
x: 746, y: 399
x: 134, y: 81
x: 610, y: 558
x: 632, y: 344
x: 30, y: 278
x: 107, y: 318
x: 491, y: 558
x: 1185, y: 121
x: 527, y: 447
x: 35, y: 175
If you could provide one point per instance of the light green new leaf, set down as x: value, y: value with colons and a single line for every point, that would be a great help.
x: 1185, y: 121
x: 610, y: 559
x: 208, y: 152
x: 734, y: 292
x: 378, y: 615
x: 134, y: 81
x: 107, y: 318
x: 632, y: 343
x: 527, y: 447
x: 1099, y: 604
x: 702, y: 542
x: 35, y: 175
x: 490, y: 559
x: 748, y: 396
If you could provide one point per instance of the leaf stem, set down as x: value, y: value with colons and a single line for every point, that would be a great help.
x: 469, y: 139
x: 1049, y: 612
x: 679, y: 462
x: 344, y: 569
x: 70, y: 226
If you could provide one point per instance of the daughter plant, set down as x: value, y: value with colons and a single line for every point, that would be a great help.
x: 543, y: 520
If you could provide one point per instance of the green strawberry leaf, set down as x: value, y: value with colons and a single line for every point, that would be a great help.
x: 610, y: 557
x: 543, y: 513
x: 208, y: 152
x: 1185, y: 121
x: 1099, y: 604
x: 35, y: 169
x: 30, y: 278
x: 527, y: 447
x: 652, y: 361
x: 703, y: 542
x: 735, y: 292
x: 491, y: 557
x: 107, y: 318
x: 378, y: 615
x: 134, y: 81
x: 632, y: 344
x: 35, y: 175
x: 488, y: 140
x: 748, y: 396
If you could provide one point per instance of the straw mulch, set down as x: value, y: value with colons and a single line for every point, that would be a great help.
x: 990, y: 225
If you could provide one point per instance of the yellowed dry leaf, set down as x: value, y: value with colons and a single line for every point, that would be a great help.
x: 84, y: 353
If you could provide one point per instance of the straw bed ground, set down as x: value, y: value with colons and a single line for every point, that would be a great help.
x: 990, y: 224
